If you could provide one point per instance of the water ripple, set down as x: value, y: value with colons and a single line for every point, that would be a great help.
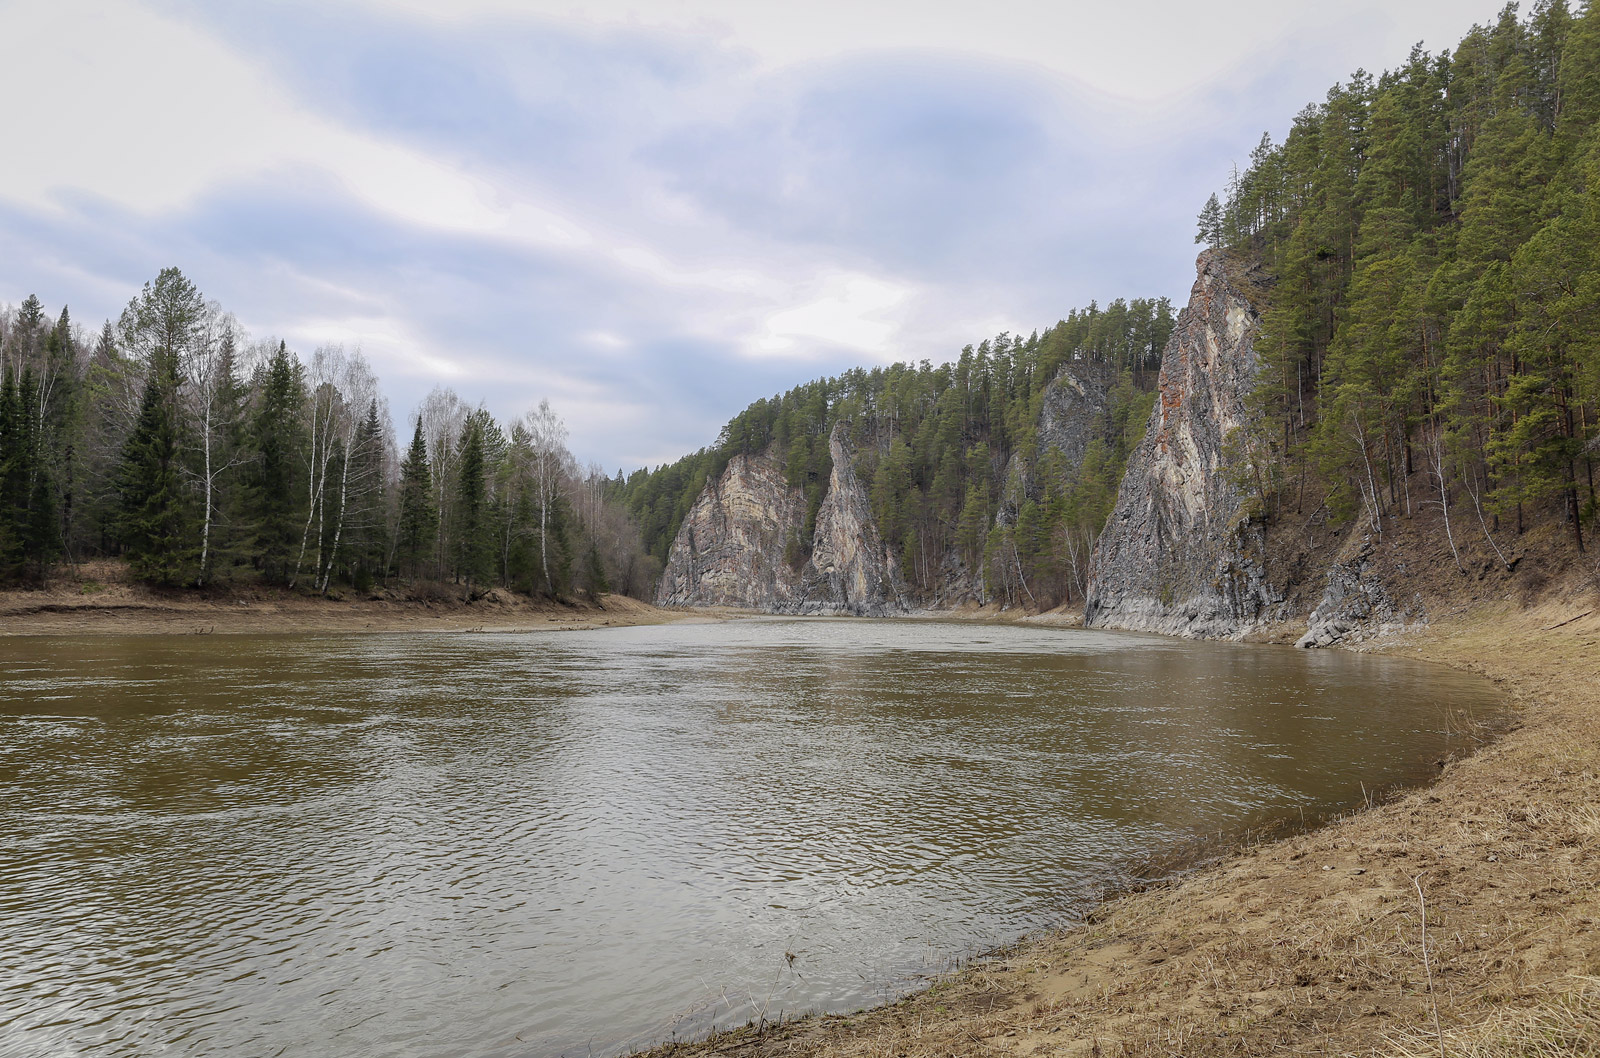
x: 535, y: 845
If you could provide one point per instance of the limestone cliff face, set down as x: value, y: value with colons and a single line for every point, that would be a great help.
x: 850, y: 570
x: 1179, y: 554
x: 730, y: 549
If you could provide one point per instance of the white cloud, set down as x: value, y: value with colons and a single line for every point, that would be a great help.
x: 150, y: 113
x: 387, y: 339
x: 605, y: 340
x: 854, y: 311
x: 1138, y: 50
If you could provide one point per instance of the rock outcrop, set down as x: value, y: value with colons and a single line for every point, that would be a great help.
x: 1356, y: 605
x: 735, y: 545
x: 1180, y: 553
x: 850, y: 570
x: 1072, y: 413
x: 730, y: 549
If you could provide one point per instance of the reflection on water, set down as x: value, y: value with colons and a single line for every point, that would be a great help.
x: 544, y: 844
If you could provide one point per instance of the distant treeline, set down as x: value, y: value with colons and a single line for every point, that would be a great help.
x: 944, y: 449
x: 1433, y: 337
x: 200, y: 458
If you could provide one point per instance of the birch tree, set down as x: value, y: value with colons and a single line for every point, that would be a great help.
x: 547, y: 435
x: 441, y: 418
x: 357, y: 394
x: 215, y: 405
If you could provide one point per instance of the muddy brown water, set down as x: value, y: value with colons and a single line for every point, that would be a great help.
x: 482, y: 844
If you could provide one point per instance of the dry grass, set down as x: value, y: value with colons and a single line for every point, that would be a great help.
x: 1314, y: 944
x: 1565, y: 1025
x: 98, y: 598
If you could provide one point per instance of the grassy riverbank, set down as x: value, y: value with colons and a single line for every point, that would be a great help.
x: 99, y: 599
x: 1315, y: 944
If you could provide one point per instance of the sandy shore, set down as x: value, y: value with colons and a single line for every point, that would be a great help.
x: 111, y: 606
x: 1314, y: 944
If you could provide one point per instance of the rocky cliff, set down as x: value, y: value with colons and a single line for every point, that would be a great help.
x: 1180, y: 553
x: 735, y: 545
x: 1071, y: 414
x: 730, y: 549
x: 850, y: 570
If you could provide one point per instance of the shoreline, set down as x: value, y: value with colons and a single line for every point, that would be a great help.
x: 1312, y: 941
x: 1309, y: 940
x: 122, y: 609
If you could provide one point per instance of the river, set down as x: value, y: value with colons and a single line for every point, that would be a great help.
x: 574, y: 843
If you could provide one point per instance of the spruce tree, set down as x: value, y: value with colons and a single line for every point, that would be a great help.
x: 417, y: 518
x: 273, y: 496
x: 597, y: 582
x: 366, y: 548
x: 1210, y: 224
x: 13, y: 478
x: 471, y: 526
x: 157, y: 528
x: 62, y: 420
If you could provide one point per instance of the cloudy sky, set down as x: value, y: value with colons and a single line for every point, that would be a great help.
x: 650, y: 212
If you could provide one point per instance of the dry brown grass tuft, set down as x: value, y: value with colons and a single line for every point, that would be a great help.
x: 1563, y: 1026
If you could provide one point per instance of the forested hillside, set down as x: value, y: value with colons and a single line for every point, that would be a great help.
x: 951, y: 454
x: 1430, y: 341
x: 1433, y: 335
x: 202, y: 459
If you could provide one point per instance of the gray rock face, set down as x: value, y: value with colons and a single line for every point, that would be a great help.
x: 730, y: 549
x: 850, y: 570
x: 1356, y: 606
x: 1179, y: 554
x: 1072, y: 411
x: 1071, y: 415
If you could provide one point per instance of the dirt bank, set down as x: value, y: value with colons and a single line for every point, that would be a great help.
x: 1315, y: 944
x: 98, y: 599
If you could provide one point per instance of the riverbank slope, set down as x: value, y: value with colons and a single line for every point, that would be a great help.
x: 1315, y: 943
x: 99, y: 599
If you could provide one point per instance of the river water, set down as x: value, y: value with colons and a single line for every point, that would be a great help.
x: 539, y: 844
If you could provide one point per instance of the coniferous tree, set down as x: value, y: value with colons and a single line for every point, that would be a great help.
x: 366, y: 549
x: 1210, y: 224
x: 157, y: 526
x: 471, y: 525
x: 417, y: 518
x: 13, y: 477
x: 272, y: 507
